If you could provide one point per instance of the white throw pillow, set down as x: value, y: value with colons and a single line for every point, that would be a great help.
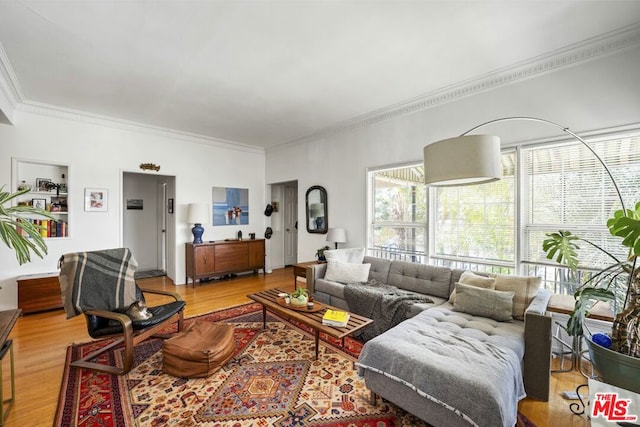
x: 525, y: 288
x: 351, y: 255
x: 471, y: 279
x: 346, y: 272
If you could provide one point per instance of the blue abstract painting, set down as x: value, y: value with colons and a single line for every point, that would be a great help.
x: 230, y: 206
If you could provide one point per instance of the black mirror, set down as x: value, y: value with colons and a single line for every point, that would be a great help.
x: 317, y: 211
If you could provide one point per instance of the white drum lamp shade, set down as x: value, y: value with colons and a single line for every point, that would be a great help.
x: 464, y: 160
x: 337, y: 235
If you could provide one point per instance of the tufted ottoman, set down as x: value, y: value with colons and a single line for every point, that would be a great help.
x: 199, y: 350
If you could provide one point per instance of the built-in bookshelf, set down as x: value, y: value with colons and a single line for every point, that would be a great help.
x: 48, y: 189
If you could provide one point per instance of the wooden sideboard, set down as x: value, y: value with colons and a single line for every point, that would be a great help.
x: 205, y: 260
x: 39, y: 292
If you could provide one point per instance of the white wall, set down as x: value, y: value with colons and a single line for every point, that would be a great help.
x: 97, y: 155
x: 590, y: 96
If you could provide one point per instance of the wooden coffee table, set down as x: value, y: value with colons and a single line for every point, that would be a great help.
x: 269, y: 300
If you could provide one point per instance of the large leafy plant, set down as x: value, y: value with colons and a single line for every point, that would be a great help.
x: 29, y: 240
x: 611, y: 282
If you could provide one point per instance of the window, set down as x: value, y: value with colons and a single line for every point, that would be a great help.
x: 566, y: 188
x: 398, y: 213
x: 476, y: 223
x: 550, y: 187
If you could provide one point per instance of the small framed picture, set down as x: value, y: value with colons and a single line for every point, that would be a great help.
x: 96, y: 199
x: 41, y: 184
x: 39, y: 203
x: 170, y: 206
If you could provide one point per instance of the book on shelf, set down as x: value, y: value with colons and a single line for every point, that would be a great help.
x: 336, y: 318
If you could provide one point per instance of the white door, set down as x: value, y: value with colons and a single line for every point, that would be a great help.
x: 290, y: 224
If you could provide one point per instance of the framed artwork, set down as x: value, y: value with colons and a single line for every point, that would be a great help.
x: 41, y: 184
x: 170, y: 206
x: 230, y: 206
x: 96, y: 199
x: 39, y: 203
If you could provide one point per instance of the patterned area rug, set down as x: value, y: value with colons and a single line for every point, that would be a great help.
x: 272, y: 380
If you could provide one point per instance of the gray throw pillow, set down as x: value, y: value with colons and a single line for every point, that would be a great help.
x: 495, y: 305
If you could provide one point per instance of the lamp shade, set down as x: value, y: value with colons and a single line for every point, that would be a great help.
x: 197, y: 213
x: 464, y: 160
x: 337, y: 235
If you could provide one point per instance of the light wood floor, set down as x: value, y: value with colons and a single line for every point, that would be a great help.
x: 40, y: 342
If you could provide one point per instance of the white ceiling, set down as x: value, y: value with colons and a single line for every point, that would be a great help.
x: 269, y: 72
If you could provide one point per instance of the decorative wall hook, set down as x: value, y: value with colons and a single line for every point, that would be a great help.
x: 149, y: 166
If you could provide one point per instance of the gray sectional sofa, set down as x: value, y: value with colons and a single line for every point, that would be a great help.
x: 442, y: 364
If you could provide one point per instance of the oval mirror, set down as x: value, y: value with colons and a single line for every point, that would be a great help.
x: 317, y: 213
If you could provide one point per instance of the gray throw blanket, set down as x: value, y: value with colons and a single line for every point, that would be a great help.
x: 385, y: 304
x: 99, y: 280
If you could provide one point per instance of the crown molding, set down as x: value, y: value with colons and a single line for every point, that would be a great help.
x: 122, y: 124
x: 10, y: 92
x: 586, y: 50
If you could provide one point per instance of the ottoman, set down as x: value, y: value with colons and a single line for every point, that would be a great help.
x: 199, y: 350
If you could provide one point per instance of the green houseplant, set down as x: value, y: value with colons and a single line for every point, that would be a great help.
x: 28, y: 240
x: 618, y: 282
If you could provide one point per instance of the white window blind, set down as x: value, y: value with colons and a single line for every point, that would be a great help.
x: 567, y: 188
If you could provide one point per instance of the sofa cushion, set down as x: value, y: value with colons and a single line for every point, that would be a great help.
x: 495, y: 305
x: 334, y: 289
x: 503, y: 334
x: 525, y: 288
x: 421, y: 278
x: 379, y: 268
x: 346, y: 272
x: 471, y: 279
x: 352, y: 255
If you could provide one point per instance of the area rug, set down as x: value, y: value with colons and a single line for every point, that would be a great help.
x: 272, y: 380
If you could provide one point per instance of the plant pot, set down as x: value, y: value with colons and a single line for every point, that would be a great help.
x: 615, y: 368
x: 300, y: 301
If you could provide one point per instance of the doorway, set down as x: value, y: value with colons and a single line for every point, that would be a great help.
x: 284, y: 243
x: 147, y: 225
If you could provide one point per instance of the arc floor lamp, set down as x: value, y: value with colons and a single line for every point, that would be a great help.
x: 475, y: 159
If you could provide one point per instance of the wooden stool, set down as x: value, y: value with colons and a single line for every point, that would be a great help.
x: 198, y: 351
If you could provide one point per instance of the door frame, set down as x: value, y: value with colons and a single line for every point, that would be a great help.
x: 168, y: 242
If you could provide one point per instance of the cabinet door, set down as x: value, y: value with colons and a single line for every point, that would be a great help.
x: 204, y: 257
x: 232, y: 257
x: 256, y: 254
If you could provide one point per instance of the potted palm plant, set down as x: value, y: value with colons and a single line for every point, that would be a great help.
x: 617, y: 283
x: 21, y: 236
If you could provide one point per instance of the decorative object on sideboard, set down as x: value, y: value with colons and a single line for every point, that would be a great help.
x: 197, y: 213
x: 317, y: 210
x: 149, y: 167
x: 454, y: 162
x: 23, y: 237
x: 337, y: 235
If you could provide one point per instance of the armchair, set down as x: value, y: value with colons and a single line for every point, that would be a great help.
x: 100, y: 285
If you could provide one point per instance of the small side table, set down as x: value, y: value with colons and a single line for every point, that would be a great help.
x: 565, y: 304
x: 300, y: 270
x: 8, y: 319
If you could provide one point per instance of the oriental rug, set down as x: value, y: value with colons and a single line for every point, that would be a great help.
x: 272, y: 380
